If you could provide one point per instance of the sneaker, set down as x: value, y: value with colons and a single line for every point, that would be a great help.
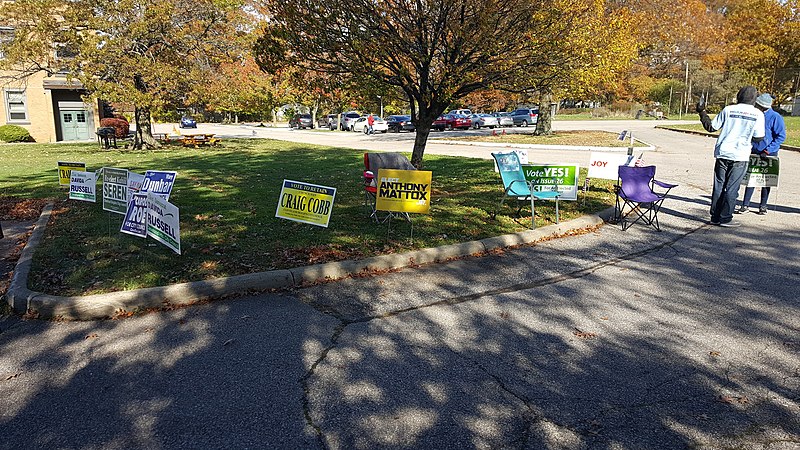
x: 713, y: 222
x: 762, y: 211
x: 731, y: 224
x: 742, y: 210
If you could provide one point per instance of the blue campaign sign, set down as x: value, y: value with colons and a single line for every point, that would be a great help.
x: 159, y: 183
x: 135, y: 222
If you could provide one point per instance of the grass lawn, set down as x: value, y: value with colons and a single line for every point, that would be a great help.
x: 587, y: 138
x: 227, y: 198
x: 792, y: 129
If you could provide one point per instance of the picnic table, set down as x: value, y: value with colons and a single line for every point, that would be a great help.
x: 198, y: 140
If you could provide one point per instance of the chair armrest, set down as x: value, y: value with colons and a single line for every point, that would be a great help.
x: 664, y: 185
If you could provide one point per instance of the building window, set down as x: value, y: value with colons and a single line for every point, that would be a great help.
x: 16, y: 106
x: 6, y: 36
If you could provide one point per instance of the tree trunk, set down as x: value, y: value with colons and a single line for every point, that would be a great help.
x: 544, y: 125
x: 420, y: 141
x: 144, y: 134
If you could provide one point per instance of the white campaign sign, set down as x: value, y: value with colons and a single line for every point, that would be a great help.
x: 163, y: 222
x: 606, y: 165
x: 135, y: 181
x: 83, y: 186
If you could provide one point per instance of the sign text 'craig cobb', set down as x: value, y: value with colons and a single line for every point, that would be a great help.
x: 393, y: 188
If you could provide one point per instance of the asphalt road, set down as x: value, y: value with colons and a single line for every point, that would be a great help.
x: 687, y: 338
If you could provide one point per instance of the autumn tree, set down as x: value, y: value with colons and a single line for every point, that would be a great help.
x: 435, y: 51
x: 145, y: 52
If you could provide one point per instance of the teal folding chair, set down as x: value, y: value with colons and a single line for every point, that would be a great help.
x: 516, y: 186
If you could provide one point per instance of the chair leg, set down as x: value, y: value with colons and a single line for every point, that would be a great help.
x: 557, y: 219
x: 533, y: 214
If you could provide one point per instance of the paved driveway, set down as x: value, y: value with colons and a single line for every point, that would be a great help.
x: 610, y: 340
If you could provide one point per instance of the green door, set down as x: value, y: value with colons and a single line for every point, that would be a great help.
x: 75, y: 125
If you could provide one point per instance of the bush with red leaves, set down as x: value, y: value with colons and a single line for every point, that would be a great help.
x: 121, y: 126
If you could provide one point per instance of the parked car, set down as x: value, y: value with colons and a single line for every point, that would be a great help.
x: 301, y: 121
x: 504, y: 119
x: 463, y: 112
x: 451, y: 121
x: 525, y: 116
x: 188, y: 122
x: 347, y: 119
x: 328, y: 121
x: 379, y: 125
x: 399, y: 123
x: 484, y: 120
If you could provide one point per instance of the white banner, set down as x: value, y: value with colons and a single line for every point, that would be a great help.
x: 606, y: 165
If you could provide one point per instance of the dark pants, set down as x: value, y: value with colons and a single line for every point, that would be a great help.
x: 748, y: 194
x: 728, y: 176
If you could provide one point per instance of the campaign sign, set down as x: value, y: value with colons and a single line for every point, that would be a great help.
x: 135, y: 181
x: 404, y: 191
x: 306, y: 203
x: 762, y: 173
x: 82, y: 186
x: 163, y: 222
x: 561, y: 178
x: 115, y: 190
x: 64, y: 169
x: 158, y: 182
x: 606, y: 165
x: 135, y: 221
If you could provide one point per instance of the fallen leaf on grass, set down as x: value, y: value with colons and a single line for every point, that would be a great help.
x: 714, y: 354
x: 91, y: 336
x: 584, y: 334
x: 31, y: 314
x: 604, y: 318
x: 730, y: 399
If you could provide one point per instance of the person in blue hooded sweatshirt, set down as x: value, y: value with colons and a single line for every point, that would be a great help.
x: 739, y: 126
x: 775, y: 134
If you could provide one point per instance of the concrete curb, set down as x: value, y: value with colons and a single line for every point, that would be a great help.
x: 101, y: 306
x: 703, y: 133
x: 581, y: 148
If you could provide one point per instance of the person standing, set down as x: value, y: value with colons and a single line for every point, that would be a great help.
x: 370, y: 123
x: 775, y: 134
x: 739, y: 125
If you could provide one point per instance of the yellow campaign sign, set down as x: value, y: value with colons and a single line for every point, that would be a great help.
x: 404, y: 191
x: 66, y: 168
x: 306, y: 203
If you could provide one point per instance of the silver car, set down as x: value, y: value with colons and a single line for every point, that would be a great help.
x: 504, y: 119
x: 484, y: 120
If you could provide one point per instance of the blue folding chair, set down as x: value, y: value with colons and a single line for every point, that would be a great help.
x: 516, y: 186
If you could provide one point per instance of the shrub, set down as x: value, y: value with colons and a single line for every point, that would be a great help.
x: 14, y: 133
x: 121, y: 126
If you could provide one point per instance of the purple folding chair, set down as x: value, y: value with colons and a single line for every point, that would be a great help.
x: 635, y: 192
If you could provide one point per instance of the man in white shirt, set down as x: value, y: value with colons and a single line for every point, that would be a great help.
x: 740, y: 125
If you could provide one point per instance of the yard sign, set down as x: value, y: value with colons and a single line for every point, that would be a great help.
x: 64, y: 169
x: 82, y: 186
x: 562, y: 178
x: 406, y: 191
x: 306, y: 203
x: 762, y: 173
x: 115, y: 190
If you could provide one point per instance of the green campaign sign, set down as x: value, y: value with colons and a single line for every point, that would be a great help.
x: 762, y: 172
x: 561, y: 178
x: 115, y: 190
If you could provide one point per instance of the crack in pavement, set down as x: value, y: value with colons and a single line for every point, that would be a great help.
x: 535, y: 418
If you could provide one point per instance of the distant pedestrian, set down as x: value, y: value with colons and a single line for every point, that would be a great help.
x: 370, y: 123
x: 775, y: 134
x: 739, y: 126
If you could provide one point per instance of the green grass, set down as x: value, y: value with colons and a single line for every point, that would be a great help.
x: 792, y: 129
x: 587, y: 138
x: 227, y: 199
